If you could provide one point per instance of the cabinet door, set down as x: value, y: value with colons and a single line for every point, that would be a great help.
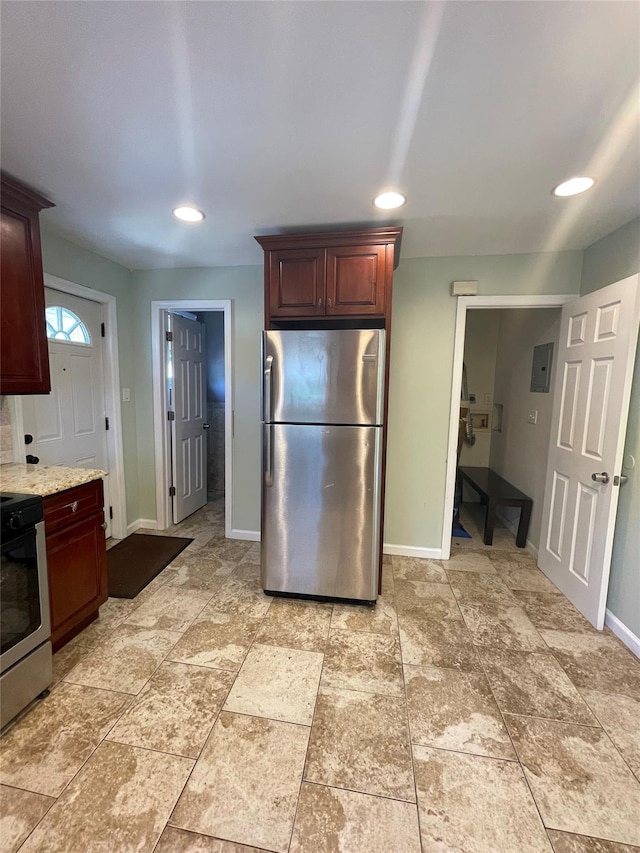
x: 24, y: 358
x: 296, y: 282
x: 356, y: 280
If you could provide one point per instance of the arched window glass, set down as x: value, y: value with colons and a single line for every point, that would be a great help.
x: 64, y: 325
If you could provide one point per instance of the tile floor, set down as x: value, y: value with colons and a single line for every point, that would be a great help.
x: 472, y: 710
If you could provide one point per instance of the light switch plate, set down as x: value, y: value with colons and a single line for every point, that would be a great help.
x: 126, y: 395
x: 532, y: 416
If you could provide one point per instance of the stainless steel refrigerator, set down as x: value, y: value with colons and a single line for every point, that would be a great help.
x: 322, y: 412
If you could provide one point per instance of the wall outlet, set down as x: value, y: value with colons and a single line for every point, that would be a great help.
x: 488, y: 399
x: 532, y: 416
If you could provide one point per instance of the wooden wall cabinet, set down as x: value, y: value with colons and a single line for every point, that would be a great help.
x: 344, y: 274
x: 24, y: 355
x: 76, y: 559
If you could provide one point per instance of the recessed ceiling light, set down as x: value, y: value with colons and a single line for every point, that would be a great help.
x: 573, y: 186
x: 388, y: 201
x: 188, y: 213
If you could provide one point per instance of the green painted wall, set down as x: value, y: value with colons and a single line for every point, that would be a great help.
x: 244, y: 285
x: 613, y: 258
x: 66, y: 260
x: 422, y: 343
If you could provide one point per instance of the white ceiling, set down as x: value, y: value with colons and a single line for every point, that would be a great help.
x: 278, y: 116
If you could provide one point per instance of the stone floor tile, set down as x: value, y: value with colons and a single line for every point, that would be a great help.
x: 330, y: 820
x: 418, y: 569
x: 501, y: 627
x: 126, y: 660
x: 508, y: 558
x: 565, y: 842
x: 455, y: 710
x: 470, y: 561
x: 620, y: 718
x: 360, y: 741
x: 427, y: 641
x: 552, y: 611
x: 68, y: 656
x: 388, y: 586
x: 596, y: 662
x: 534, y: 684
x: 436, y: 598
x: 579, y: 781
x: 478, y: 587
x: 120, y: 800
x: 170, y: 609
x: 245, y: 785
x: 355, y: 660
x: 175, y: 840
x: 48, y: 746
x: 176, y: 709
x: 277, y: 683
x: 473, y: 803
x: 525, y: 577
x: 219, y: 640
x: 20, y: 812
x: 296, y: 625
x: 381, y: 619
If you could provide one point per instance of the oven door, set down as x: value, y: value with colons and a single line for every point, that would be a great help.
x: 24, y: 596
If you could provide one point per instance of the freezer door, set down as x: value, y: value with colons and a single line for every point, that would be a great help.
x: 320, y: 510
x: 332, y: 376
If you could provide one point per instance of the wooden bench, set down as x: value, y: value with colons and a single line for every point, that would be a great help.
x: 495, y: 491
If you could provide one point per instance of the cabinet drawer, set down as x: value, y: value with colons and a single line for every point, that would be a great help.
x: 67, y: 507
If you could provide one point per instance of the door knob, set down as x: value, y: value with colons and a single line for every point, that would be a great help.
x: 600, y: 478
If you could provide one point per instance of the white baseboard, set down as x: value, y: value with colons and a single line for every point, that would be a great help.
x: 622, y: 632
x: 148, y: 523
x: 249, y: 535
x: 411, y: 551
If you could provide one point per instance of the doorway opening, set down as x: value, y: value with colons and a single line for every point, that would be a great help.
x: 79, y: 423
x: 187, y: 461
x: 481, y: 415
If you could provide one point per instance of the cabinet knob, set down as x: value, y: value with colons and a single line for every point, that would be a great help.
x: 329, y: 302
x: 320, y: 302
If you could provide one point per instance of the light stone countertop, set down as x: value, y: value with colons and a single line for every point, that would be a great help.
x: 44, y: 479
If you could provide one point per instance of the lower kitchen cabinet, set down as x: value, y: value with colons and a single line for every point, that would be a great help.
x: 76, y: 559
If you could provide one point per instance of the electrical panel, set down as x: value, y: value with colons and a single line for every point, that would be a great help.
x: 541, y: 368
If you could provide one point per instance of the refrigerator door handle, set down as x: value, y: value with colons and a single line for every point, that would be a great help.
x: 268, y: 456
x: 267, y: 388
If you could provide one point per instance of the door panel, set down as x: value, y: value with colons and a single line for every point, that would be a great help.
x: 188, y: 393
x: 320, y: 514
x: 598, y: 338
x: 68, y: 425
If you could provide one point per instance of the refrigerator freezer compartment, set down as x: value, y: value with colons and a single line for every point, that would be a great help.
x: 324, y: 376
x: 320, y: 510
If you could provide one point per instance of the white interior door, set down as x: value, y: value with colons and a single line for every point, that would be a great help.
x: 594, y: 368
x: 69, y: 424
x: 188, y: 402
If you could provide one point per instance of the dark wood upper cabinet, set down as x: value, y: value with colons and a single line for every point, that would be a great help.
x: 340, y: 274
x: 24, y: 355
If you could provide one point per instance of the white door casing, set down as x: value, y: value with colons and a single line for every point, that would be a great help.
x: 68, y: 425
x: 594, y: 368
x: 188, y: 402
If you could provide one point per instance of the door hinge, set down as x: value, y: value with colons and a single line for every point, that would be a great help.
x: 172, y: 491
x: 110, y: 512
x: 102, y: 330
x: 171, y: 416
x: 168, y: 336
x: 106, y: 423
